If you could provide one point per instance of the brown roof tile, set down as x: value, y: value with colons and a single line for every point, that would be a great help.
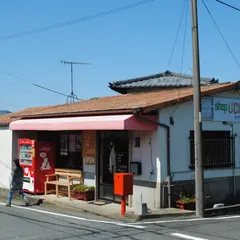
x: 147, y: 101
x: 7, y: 118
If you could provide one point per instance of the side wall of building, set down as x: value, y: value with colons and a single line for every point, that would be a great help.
x: 147, y: 185
x: 220, y: 184
x: 5, y: 156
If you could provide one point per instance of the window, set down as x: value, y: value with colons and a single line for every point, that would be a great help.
x: 137, y: 142
x: 70, y: 154
x: 217, y: 147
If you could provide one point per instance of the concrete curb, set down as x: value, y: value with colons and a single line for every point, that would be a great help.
x: 63, y: 205
x: 155, y: 216
x: 130, y: 217
x: 4, y: 196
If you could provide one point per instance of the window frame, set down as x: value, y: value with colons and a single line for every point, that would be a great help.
x: 222, y: 158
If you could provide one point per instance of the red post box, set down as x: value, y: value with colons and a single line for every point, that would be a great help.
x: 123, y: 186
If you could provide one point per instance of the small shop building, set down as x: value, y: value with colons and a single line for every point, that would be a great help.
x: 147, y: 132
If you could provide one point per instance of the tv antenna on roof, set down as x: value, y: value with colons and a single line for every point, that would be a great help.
x: 72, y: 97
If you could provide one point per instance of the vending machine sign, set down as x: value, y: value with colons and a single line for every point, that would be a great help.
x: 44, y: 158
x: 26, y: 152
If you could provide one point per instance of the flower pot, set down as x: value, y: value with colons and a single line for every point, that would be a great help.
x: 84, y: 195
x: 185, y: 205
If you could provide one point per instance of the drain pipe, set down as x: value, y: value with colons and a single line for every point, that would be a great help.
x: 167, y: 128
x: 233, y: 169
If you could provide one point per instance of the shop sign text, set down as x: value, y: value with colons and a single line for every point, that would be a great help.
x: 226, y: 109
x: 89, y: 160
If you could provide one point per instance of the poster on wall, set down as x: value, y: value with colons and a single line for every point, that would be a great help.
x: 72, y: 143
x: 78, y: 143
x: 64, y: 145
x: 226, y: 109
x: 122, y: 163
x: 89, y: 147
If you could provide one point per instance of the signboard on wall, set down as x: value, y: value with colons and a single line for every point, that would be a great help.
x: 207, y: 109
x: 226, y: 109
x: 89, y: 147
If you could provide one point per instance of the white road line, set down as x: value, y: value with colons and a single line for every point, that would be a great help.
x: 187, y: 236
x: 77, y: 218
x: 190, y: 220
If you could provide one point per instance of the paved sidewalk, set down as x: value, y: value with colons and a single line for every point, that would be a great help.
x: 110, y: 210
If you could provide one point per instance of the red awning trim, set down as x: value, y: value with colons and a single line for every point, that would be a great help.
x: 108, y: 122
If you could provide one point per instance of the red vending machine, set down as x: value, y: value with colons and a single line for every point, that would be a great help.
x: 37, y: 159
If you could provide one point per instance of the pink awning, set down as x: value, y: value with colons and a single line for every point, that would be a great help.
x: 108, y: 122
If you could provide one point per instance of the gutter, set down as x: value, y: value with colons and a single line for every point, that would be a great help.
x: 167, y: 128
x: 74, y: 114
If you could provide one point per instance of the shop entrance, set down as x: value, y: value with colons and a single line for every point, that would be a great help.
x: 113, y: 158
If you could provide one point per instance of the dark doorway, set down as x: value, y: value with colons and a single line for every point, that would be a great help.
x: 113, y: 158
x: 68, y: 147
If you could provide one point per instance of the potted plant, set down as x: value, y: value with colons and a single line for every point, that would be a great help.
x: 83, y: 192
x: 186, y: 201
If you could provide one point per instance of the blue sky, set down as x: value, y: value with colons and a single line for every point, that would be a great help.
x: 128, y: 44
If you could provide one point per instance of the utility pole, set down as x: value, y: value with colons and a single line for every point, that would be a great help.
x: 199, y: 174
x: 72, y: 97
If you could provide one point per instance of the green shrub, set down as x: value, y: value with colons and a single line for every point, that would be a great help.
x: 186, y: 197
x: 83, y: 188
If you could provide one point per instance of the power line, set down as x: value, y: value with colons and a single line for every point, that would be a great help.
x: 184, y: 38
x: 34, y: 84
x: 176, y: 37
x: 220, y: 32
x: 228, y: 5
x: 190, y: 68
x: 74, y: 21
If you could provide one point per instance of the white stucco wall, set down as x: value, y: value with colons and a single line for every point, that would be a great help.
x: 180, y: 149
x: 5, y: 156
x: 148, y: 154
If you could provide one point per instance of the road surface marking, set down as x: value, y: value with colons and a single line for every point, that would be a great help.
x: 189, y: 220
x: 77, y: 218
x: 187, y: 236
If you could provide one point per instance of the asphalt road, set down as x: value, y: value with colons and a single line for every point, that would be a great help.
x: 49, y: 222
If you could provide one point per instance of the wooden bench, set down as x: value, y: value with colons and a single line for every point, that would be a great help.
x: 63, y: 177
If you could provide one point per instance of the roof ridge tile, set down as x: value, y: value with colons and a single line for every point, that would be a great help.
x: 158, y: 75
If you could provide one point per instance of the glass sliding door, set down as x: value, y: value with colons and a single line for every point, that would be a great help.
x: 113, y: 158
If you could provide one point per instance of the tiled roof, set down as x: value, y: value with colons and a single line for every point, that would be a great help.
x: 162, y: 80
x: 146, y: 102
x: 7, y: 118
